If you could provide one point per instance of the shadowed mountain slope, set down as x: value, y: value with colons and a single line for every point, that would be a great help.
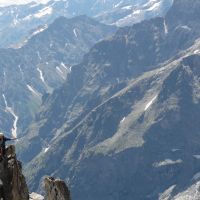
x: 120, y: 133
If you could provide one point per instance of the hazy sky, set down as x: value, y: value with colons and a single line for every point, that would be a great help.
x: 10, y: 2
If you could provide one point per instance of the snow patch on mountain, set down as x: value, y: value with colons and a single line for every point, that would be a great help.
x: 63, y: 65
x: 33, y: 91
x: 150, y: 103
x: 127, y: 7
x: 60, y: 72
x: 15, y: 21
x: 167, y: 162
x: 68, y: 69
x: 155, y: 6
x: 166, y: 195
x: 165, y: 28
x: 75, y: 32
x: 123, y: 120
x: 184, y: 27
x: 21, y: 71
x: 39, y: 30
x: 38, y: 53
x: 175, y: 150
x: 35, y: 196
x: 196, y: 156
x: 43, y: 12
x: 41, y: 75
x: 197, y: 51
x: 27, y: 18
x: 46, y: 149
x: 16, y: 118
x: 118, y: 4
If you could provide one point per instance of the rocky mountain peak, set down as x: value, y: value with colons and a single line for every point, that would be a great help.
x: 56, y: 189
x: 13, y: 185
x: 12, y: 181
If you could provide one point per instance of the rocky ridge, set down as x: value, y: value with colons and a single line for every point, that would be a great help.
x: 56, y: 189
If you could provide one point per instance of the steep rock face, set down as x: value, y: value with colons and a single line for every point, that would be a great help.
x: 56, y: 189
x: 13, y: 185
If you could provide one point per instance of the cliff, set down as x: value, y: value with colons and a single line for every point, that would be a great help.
x: 13, y: 185
x: 56, y: 189
x: 12, y: 182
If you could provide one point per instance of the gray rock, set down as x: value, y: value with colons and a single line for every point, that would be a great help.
x: 13, y: 185
x: 56, y: 189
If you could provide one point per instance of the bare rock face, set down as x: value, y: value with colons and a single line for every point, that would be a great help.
x: 56, y: 189
x: 12, y: 182
x: 13, y: 185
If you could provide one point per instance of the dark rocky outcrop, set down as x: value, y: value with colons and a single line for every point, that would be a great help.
x: 13, y: 185
x: 56, y: 189
x: 12, y: 182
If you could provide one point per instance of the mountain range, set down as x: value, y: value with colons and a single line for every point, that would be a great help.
x: 125, y: 123
x: 34, y: 70
x: 18, y: 22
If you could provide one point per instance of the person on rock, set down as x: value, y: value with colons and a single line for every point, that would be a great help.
x: 3, y: 141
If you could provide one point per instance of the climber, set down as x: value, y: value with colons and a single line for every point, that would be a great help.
x: 3, y: 141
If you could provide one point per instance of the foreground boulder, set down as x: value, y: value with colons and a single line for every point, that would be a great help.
x: 56, y: 189
x: 13, y: 185
x: 12, y: 182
